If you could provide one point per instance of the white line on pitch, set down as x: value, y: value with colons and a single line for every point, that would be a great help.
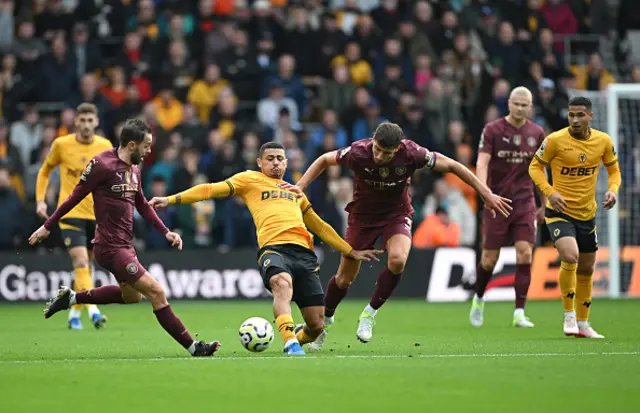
x: 392, y: 356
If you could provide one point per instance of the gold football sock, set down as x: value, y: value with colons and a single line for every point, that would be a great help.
x: 584, y: 290
x: 82, y: 281
x: 304, y: 338
x: 568, y: 285
x: 286, y: 327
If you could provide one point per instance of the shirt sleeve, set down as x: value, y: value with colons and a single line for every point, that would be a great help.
x: 486, y: 141
x: 238, y: 183
x: 344, y: 157
x: 147, y: 212
x: 610, y: 156
x: 42, y: 181
x: 547, y: 151
x: 90, y: 179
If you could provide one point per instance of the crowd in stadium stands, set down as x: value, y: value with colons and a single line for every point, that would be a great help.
x: 215, y: 79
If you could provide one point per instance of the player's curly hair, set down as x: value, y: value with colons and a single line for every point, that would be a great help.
x: 388, y: 135
x: 134, y: 130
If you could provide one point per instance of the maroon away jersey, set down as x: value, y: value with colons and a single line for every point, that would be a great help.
x: 511, y: 151
x: 383, y: 190
x: 117, y: 189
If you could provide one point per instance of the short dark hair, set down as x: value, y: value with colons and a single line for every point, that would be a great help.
x: 86, y: 109
x: 269, y: 145
x: 134, y: 130
x: 388, y: 135
x: 581, y: 101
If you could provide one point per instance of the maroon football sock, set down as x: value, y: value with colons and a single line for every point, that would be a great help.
x: 523, y: 279
x: 172, y: 325
x: 482, y: 279
x: 107, y: 294
x: 333, y: 297
x: 387, y: 282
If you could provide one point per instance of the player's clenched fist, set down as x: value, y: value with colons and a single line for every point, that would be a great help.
x: 39, y: 235
x: 557, y: 202
x: 159, y: 202
x: 365, y: 255
x: 497, y: 203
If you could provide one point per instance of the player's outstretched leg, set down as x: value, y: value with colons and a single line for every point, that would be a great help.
x: 584, y: 288
x: 281, y: 286
x: 146, y: 285
x: 484, y: 271
x: 522, y: 282
x: 337, y: 289
x: 568, y: 250
x: 108, y: 294
x: 398, y: 247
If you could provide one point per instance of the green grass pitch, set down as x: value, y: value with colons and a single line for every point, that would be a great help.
x: 423, y: 357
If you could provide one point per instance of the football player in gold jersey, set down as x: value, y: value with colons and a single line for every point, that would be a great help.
x: 574, y: 155
x: 72, y: 153
x: 286, y: 259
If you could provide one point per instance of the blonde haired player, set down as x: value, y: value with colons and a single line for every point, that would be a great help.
x: 574, y: 155
x: 72, y: 153
x: 286, y: 259
x: 506, y: 148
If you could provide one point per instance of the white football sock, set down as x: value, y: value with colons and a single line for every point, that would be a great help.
x: 583, y: 324
x: 73, y: 313
x: 370, y: 310
x: 569, y: 313
x: 192, y: 347
x: 518, y: 312
x: 93, y: 309
x: 290, y: 342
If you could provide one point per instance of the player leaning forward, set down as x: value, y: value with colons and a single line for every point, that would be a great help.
x: 381, y: 208
x: 288, y: 264
x: 506, y: 148
x: 114, y: 179
x: 574, y: 155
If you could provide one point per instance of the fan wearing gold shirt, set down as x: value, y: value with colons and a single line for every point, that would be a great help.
x: 71, y: 153
x: 574, y: 155
x: 286, y: 259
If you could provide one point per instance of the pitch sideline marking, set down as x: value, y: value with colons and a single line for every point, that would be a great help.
x: 391, y: 356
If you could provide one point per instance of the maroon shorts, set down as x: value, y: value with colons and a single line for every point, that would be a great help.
x: 122, y: 262
x: 502, y: 232
x: 362, y: 235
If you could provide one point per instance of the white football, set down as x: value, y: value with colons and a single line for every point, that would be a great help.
x: 256, y: 334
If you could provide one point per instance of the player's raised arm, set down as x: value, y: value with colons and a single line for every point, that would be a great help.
x: 90, y: 178
x: 313, y: 172
x: 329, y: 235
x: 614, y: 180
x: 493, y: 202
x: 42, y: 182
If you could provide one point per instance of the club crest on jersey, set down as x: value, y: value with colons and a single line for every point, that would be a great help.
x: 87, y: 170
x: 132, y: 268
x: 582, y: 157
x: 401, y: 170
x: 517, y: 139
x: 531, y: 141
x: 384, y: 172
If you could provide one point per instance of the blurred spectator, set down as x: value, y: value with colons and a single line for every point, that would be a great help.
x: 204, y: 92
x: 58, y: 74
x: 184, y: 176
x: 561, y: 20
x: 26, y: 134
x: 115, y: 90
x: 88, y: 93
x: 87, y: 55
x: 290, y: 81
x: 165, y: 168
x: 367, y: 36
x: 224, y: 116
x: 10, y: 154
x: 330, y: 124
x: 393, y: 52
x: 193, y: 132
x: 359, y: 69
x: 11, y: 229
x: 240, y: 66
x: 415, y: 127
x: 365, y: 126
x: 387, y: 16
x: 6, y: 25
x: 457, y: 209
x: 249, y: 151
x: 302, y: 42
x: 180, y: 68
x: 331, y: 44
x: 423, y: 73
x: 437, y: 230
x: 337, y: 93
x: 593, y: 76
x: 464, y: 155
x: 440, y: 109
x: 28, y: 48
x: 269, y: 108
x: 168, y: 109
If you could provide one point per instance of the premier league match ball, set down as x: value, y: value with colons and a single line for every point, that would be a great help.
x: 256, y: 334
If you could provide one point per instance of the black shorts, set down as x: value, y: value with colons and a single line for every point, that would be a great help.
x: 78, y: 232
x: 561, y: 225
x: 301, y: 264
